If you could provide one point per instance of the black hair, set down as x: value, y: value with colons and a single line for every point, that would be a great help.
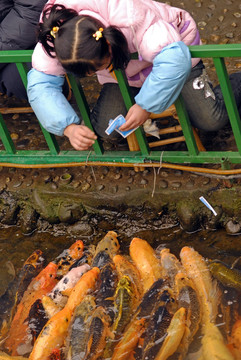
x: 79, y: 52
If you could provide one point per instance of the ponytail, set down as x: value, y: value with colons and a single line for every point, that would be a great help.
x: 119, y: 47
x: 54, y: 16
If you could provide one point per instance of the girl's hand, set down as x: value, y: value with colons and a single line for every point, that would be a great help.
x: 80, y: 136
x: 135, y: 117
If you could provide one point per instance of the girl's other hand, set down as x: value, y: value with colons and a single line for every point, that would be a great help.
x: 80, y: 136
x: 135, y: 117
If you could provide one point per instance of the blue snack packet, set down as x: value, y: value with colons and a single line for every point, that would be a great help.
x: 115, y: 124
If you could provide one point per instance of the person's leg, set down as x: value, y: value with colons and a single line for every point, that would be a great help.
x: 205, y: 104
x: 109, y: 105
x: 11, y: 82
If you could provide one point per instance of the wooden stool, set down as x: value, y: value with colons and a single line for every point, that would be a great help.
x: 171, y: 112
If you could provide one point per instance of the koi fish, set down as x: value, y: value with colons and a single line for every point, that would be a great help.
x: 106, y: 288
x: 155, y: 333
x: 55, y: 331
x: 4, y: 356
x: 18, y: 335
x: 109, y: 244
x: 133, y: 332
x: 122, y: 304
x: 122, y: 309
x: 79, y: 329
x: 14, y: 293
x: 68, y: 257
x: 207, y: 290
x: 234, y: 343
x: 174, y: 335
x: 170, y: 265
x: 129, y: 340
x: 213, y: 345
x: 144, y: 258
x: 67, y: 282
x: 227, y: 276
x: 187, y: 297
x: 125, y: 267
x: 99, y: 330
x: 101, y: 259
x: 49, y: 306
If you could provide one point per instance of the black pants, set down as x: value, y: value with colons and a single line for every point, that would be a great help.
x: 11, y: 82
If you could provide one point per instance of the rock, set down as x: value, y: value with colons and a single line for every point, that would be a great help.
x: 188, y: 216
x: 211, y: 221
x: 28, y: 219
x: 9, y: 209
x: 80, y: 229
x: 70, y: 212
x: 233, y: 226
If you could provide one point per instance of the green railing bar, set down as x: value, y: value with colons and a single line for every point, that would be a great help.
x: 5, y: 137
x: 23, y: 70
x: 229, y: 100
x: 186, y: 126
x: 132, y: 157
x: 218, y: 52
x: 51, y: 141
x: 215, y: 50
x: 49, y: 138
x: 129, y: 101
x: 16, y: 56
x: 84, y: 108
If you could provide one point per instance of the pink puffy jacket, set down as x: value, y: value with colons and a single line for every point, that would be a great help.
x: 148, y: 26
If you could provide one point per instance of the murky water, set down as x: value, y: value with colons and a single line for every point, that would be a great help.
x: 15, y: 248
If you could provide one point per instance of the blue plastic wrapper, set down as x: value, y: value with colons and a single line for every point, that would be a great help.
x: 115, y: 125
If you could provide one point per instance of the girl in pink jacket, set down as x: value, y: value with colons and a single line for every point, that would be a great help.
x: 84, y: 37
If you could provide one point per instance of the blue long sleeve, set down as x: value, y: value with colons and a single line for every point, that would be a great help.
x: 171, y: 68
x: 51, y: 107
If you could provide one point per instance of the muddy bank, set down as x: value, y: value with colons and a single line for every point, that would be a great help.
x: 37, y: 199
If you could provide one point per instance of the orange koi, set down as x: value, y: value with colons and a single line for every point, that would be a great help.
x: 55, y: 331
x: 129, y: 340
x: 68, y: 257
x: 39, y: 286
x: 13, y: 295
x: 144, y: 258
x: 235, y: 340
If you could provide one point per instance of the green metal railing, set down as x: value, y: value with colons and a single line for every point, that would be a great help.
x: 55, y: 156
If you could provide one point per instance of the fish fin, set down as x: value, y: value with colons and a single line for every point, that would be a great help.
x: 110, y: 298
x: 235, y: 262
x: 67, y: 292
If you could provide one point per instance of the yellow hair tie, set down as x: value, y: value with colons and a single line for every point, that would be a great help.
x: 98, y: 34
x: 54, y: 31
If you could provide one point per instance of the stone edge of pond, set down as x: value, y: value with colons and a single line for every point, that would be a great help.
x: 57, y: 201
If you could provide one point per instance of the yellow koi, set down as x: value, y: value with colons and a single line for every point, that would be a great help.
x: 213, y: 345
x: 197, y: 270
x: 175, y: 333
x: 145, y: 259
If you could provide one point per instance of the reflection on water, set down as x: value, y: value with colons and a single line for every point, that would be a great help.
x: 15, y: 248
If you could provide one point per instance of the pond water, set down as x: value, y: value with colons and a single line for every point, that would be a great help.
x: 16, y: 247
